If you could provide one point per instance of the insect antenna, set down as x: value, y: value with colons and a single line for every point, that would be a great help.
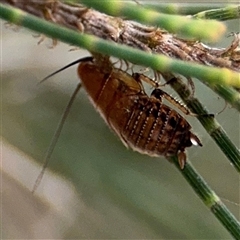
x: 85, y: 59
x: 61, y: 122
x: 55, y: 137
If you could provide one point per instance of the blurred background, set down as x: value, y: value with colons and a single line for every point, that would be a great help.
x: 94, y: 187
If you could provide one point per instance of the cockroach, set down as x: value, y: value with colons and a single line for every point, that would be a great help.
x: 142, y: 122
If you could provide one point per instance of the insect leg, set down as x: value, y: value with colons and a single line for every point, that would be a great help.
x: 140, y: 77
x: 182, y: 159
x: 158, y: 93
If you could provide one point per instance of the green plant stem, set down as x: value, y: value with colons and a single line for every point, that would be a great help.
x: 211, y: 125
x: 222, y: 14
x: 210, y: 199
x: 211, y: 75
x: 209, y: 31
x: 230, y: 95
x: 182, y: 8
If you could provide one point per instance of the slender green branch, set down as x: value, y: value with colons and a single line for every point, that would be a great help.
x: 204, y: 30
x: 210, y: 199
x: 230, y: 95
x: 222, y: 14
x: 211, y: 125
x: 183, y: 8
x: 211, y: 75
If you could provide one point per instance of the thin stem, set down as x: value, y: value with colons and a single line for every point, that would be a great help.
x: 209, y: 122
x: 210, y: 31
x: 229, y: 94
x: 221, y: 14
x: 188, y: 8
x: 210, y: 199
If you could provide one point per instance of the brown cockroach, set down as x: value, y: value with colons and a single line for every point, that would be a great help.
x: 142, y: 122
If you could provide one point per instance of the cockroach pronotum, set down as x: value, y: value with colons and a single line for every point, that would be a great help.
x: 142, y: 122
